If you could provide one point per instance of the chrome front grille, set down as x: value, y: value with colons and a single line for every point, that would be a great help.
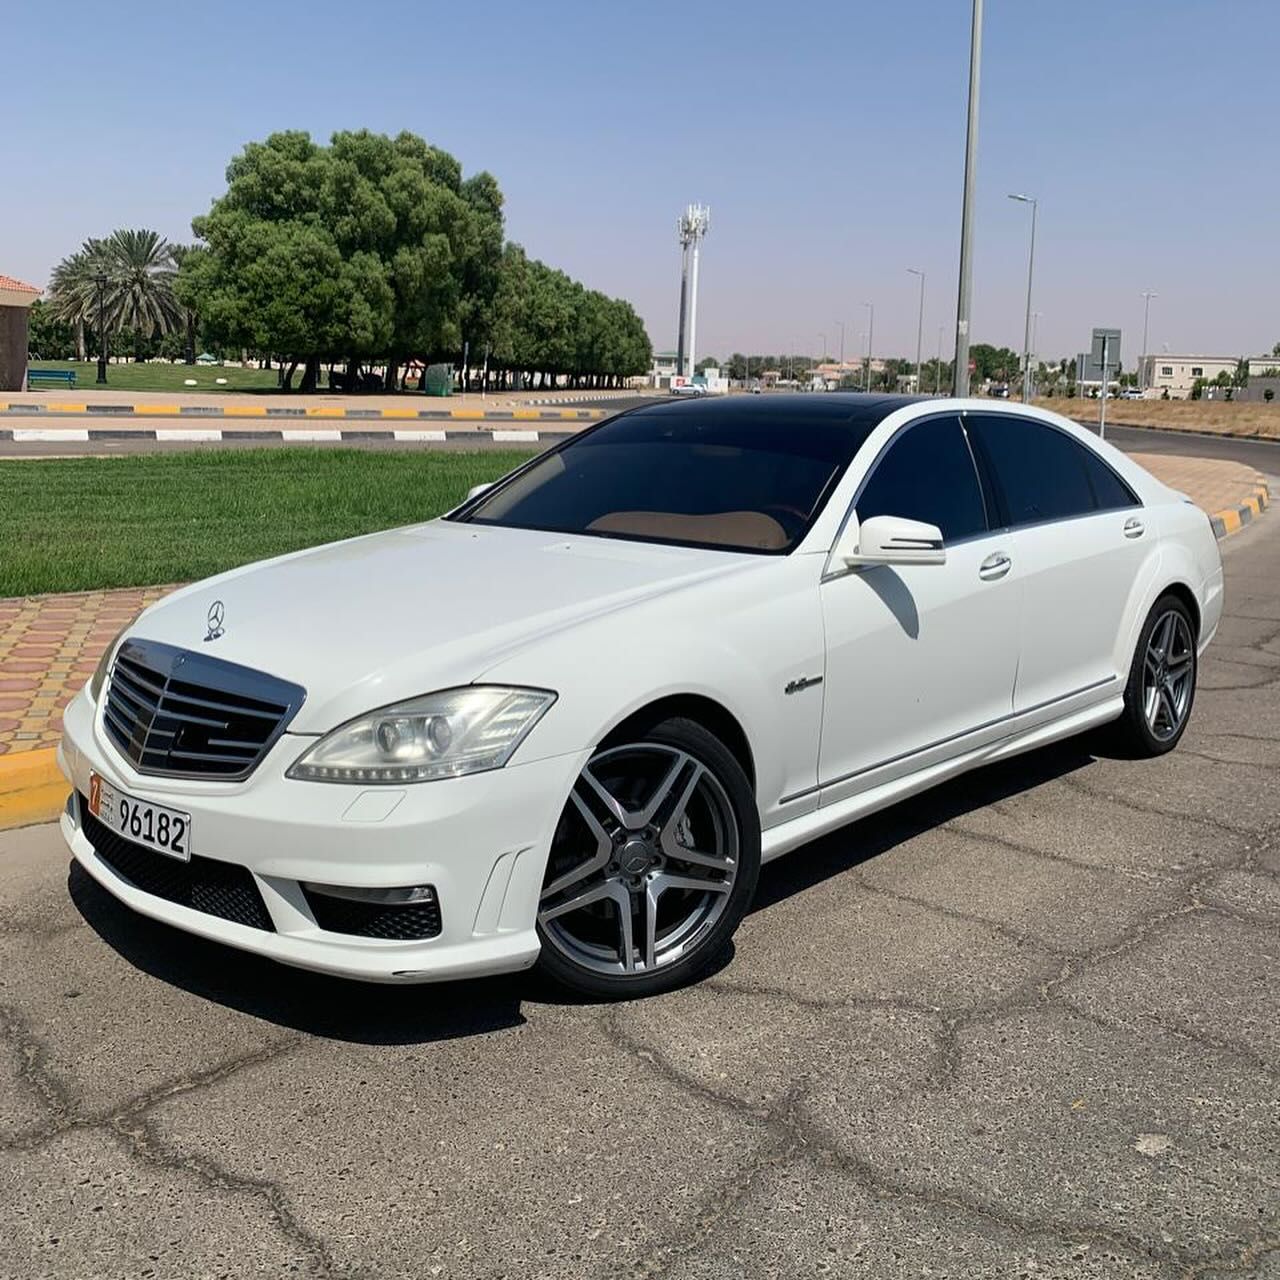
x: 180, y: 713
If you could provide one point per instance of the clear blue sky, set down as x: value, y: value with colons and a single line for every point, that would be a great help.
x: 827, y: 138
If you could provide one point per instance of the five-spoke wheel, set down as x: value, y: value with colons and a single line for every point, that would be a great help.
x: 1162, y: 680
x: 653, y: 863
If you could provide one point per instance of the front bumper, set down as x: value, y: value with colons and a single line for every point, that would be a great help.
x: 481, y: 841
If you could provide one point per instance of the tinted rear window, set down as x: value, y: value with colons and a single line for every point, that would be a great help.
x: 1040, y: 472
x: 696, y: 475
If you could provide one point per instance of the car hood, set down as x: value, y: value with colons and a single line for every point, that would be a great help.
x: 376, y: 619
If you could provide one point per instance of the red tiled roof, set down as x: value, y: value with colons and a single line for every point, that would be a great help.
x: 8, y: 282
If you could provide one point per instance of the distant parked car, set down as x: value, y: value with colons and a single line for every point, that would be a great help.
x: 688, y: 389
x: 1000, y: 392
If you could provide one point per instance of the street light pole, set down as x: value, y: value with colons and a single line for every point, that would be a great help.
x: 960, y: 382
x: 871, y: 336
x: 1031, y: 266
x: 841, y: 324
x: 915, y: 271
x: 937, y: 368
x: 1147, y: 295
x: 823, y: 339
x: 101, y: 281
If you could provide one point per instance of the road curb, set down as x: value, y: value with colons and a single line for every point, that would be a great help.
x: 32, y: 788
x: 1232, y: 519
x: 59, y: 409
x: 297, y: 435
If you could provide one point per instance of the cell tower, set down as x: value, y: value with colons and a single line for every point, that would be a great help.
x: 692, y: 226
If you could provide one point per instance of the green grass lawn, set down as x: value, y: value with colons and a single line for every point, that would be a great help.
x: 161, y: 377
x: 75, y: 524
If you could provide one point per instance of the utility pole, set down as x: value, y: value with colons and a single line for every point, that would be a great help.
x: 1031, y: 267
x: 1147, y: 295
x: 937, y: 368
x: 1102, y: 398
x: 871, y: 338
x: 684, y: 297
x: 915, y: 271
x: 960, y: 382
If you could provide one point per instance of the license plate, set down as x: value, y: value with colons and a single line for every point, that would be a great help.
x: 166, y: 831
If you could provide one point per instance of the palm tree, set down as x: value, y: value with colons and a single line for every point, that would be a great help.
x: 141, y: 271
x: 73, y: 292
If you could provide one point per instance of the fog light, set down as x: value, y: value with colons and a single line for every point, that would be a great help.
x: 402, y: 896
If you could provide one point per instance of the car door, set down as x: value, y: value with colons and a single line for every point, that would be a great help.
x: 1078, y: 538
x: 920, y: 658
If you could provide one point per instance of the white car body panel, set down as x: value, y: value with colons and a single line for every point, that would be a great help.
x: 613, y: 626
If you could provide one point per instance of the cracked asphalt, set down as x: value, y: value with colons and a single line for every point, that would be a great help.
x: 1027, y: 1025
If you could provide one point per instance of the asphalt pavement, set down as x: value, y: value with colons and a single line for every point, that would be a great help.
x: 1026, y: 1025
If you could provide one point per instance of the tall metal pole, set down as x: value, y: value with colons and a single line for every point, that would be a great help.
x: 1102, y: 408
x: 822, y: 338
x: 915, y: 271
x: 1031, y: 267
x: 841, y: 324
x: 937, y: 368
x: 1147, y: 295
x: 960, y: 383
x: 871, y: 339
x: 684, y: 301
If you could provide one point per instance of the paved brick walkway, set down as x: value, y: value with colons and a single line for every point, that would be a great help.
x: 50, y: 645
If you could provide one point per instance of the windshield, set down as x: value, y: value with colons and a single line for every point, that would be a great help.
x: 694, y: 475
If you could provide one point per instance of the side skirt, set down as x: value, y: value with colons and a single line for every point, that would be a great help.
x: 809, y: 826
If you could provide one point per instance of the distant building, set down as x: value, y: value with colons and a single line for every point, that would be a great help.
x: 15, y: 301
x: 1177, y: 374
x: 1264, y: 367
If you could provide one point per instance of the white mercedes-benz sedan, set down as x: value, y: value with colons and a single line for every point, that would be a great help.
x: 567, y: 722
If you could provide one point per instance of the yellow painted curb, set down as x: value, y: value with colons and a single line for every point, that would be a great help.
x: 527, y: 413
x: 159, y: 410
x: 466, y: 413
x: 243, y: 411
x: 32, y: 788
x: 325, y: 411
x: 67, y: 408
x: 399, y: 413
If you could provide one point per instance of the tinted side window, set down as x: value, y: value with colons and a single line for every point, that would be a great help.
x: 1111, y: 493
x: 1040, y: 473
x: 927, y: 474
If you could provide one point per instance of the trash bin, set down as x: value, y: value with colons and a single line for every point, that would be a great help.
x: 438, y: 380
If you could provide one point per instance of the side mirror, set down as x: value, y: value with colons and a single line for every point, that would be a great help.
x: 477, y: 489
x: 890, y: 540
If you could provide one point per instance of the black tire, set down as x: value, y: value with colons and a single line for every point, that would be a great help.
x: 1134, y: 733
x: 729, y: 802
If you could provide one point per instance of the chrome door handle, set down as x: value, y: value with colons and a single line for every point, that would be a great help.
x: 996, y: 565
x: 1134, y: 528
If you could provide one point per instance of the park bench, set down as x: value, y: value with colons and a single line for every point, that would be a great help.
x: 51, y: 377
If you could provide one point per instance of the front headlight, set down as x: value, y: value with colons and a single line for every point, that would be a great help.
x: 99, y: 676
x: 441, y: 735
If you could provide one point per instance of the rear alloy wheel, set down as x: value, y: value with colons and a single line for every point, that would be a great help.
x: 654, y: 862
x: 1162, y: 680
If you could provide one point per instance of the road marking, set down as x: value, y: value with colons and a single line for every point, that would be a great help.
x: 47, y: 434
x: 190, y: 433
x: 435, y: 437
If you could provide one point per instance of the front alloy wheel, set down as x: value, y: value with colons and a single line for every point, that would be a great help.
x: 654, y: 861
